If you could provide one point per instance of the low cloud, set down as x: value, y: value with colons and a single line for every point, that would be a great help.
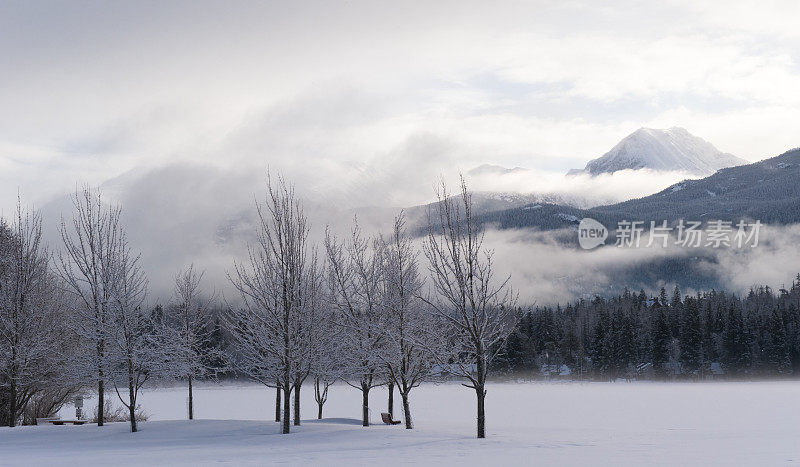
x: 582, y: 190
x: 545, y: 271
x: 179, y: 215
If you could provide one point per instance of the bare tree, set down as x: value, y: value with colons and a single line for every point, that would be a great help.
x: 136, y: 349
x: 87, y: 268
x: 191, y: 317
x: 478, y: 310
x: 409, y: 344
x: 354, y: 273
x: 327, y: 364
x: 31, y: 331
x: 251, y: 353
x: 309, y: 327
x: 269, y: 328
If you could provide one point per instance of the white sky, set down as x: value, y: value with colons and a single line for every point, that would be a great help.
x: 359, y: 95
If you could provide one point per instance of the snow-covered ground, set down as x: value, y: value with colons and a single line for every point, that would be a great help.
x: 528, y: 423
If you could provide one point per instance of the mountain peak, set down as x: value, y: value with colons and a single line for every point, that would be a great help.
x: 671, y: 149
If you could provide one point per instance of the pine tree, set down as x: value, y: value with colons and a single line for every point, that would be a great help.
x: 709, y: 344
x: 777, y: 348
x: 675, y: 312
x: 676, y: 298
x: 622, y: 344
x: 735, y: 348
x: 597, y: 352
x: 570, y: 348
x: 691, y: 356
x: 661, y: 336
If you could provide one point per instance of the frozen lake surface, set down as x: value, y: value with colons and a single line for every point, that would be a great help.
x: 527, y: 424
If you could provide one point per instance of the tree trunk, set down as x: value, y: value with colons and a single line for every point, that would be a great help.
x: 481, y: 394
x: 297, y: 404
x: 101, y: 396
x: 132, y: 411
x: 132, y: 406
x: 320, y: 395
x: 480, y: 389
x: 277, y: 403
x: 12, y: 403
x: 191, y: 400
x: 287, y: 405
x: 406, y: 410
x: 365, y: 405
x: 391, y: 399
x: 100, y: 401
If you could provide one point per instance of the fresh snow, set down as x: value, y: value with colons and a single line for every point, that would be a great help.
x: 674, y: 149
x: 528, y: 423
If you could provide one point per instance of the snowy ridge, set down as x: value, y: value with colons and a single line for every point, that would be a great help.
x: 674, y: 149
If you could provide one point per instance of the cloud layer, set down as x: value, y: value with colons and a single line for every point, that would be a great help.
x: 179, y: 108
x: 90, y: 91
x: 545, y: 272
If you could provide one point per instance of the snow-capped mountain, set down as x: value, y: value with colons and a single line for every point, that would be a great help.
x: 764, y: 190
x: 672, y: 149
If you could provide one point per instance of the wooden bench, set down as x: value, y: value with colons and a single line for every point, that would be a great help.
x: 387, y: 419
x: 64, y: 422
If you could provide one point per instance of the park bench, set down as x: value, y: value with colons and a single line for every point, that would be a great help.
x: 58, y: 421
x: 387, y: 419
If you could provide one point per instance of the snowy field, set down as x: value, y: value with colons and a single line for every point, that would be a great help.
x: 528, y: 424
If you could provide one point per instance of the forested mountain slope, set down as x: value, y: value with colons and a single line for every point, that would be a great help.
x: 768, y: 191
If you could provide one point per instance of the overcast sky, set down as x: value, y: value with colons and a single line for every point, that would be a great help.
x: 357, y: 95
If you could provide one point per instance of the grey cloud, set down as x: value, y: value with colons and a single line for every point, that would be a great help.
x: 368, y: 103
x: 544, y: 271
x: 182, y: 214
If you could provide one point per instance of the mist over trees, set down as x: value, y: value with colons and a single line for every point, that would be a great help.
x: 383, y: 309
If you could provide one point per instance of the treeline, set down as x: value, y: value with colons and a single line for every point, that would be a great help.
x: 354, y: 309
x: 634, y: 336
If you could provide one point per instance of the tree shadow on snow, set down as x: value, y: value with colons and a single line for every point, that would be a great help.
x: 339, y: 421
